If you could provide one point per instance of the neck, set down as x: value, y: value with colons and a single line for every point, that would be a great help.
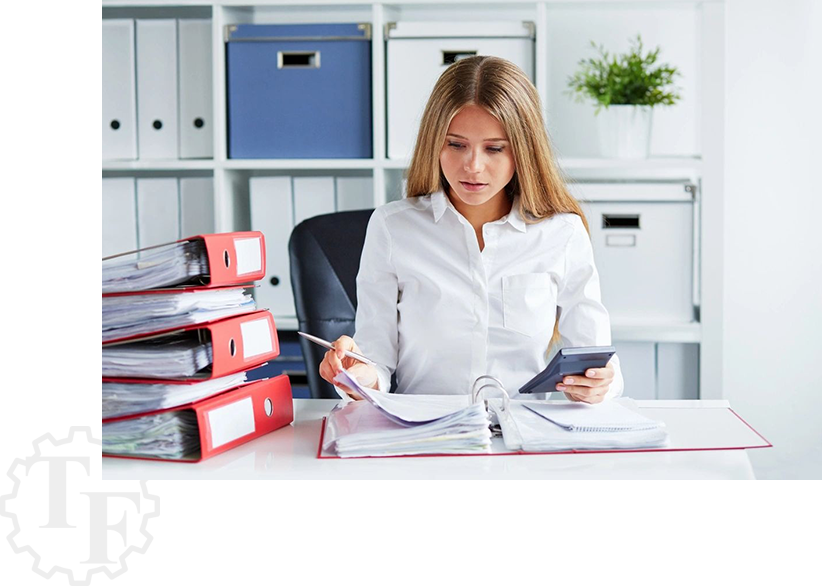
x: 491, y: 211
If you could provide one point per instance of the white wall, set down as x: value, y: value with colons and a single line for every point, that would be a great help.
x: 772, y: 358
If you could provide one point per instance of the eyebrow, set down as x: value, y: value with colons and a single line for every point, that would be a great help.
x: 485, y: 140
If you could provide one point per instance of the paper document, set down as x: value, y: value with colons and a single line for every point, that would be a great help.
x: 127, y: 398
x: 167, y: 357
x: 165, y: 266
x: 131, y: 315
x: 171, y: 435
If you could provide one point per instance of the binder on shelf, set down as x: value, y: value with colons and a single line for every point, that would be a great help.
x: 355, y: 193
x: 157, y: 103
x: 119, y: 93
x: 237, y: 343
x: 196, y: 127
x: 157, y: 211
x: 196, y: 205
x: 119, y: 215
x: 211, y: 426
x: 272, y: 212
x: 231, y: 258
x: 313, y: 196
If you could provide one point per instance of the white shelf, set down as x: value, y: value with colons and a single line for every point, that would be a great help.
x: 298, y: 164
x: 656, y: 332
x: 159, y: 165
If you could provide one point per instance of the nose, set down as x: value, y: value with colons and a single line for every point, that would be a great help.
x: 474, y: 162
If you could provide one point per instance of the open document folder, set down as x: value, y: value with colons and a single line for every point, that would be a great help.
x: 386, y: 424
x: 392, y: 424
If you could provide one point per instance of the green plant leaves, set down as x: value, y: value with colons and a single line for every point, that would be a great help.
x: 630, y: 78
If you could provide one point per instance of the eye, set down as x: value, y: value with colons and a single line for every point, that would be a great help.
x: 455, y: 145
x: 496, y: 149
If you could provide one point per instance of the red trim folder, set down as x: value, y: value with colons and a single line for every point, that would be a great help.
x: 227, y: 253
x: 232, y: 418
x: 237, y: 343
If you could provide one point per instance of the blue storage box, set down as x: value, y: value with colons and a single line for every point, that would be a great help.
x: 299, y: 91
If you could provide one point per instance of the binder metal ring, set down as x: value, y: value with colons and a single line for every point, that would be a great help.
x: 495, y: 384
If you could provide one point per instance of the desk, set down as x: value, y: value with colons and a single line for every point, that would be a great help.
x: 291, y: 452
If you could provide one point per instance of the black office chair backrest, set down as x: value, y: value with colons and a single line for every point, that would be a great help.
x: 325, y: 258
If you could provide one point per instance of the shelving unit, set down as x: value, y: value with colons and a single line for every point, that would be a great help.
x: 687, y: 141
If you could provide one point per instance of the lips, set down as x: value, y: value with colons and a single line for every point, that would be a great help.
x: 471, y: 183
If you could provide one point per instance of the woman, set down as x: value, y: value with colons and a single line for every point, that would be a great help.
x: 487, y: 265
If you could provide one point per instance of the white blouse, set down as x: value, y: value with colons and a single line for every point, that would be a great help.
x: 441, y: 313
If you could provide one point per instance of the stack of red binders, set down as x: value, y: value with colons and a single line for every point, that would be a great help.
x: 180, y: 330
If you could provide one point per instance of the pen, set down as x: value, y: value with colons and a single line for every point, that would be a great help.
x: 327, y: 344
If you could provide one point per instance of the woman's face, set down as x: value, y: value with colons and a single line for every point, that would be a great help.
x: 476, y: 158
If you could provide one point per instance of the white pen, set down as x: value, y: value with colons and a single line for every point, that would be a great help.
x: 327, y: 344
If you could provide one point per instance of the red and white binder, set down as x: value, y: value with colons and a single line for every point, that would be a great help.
x: 238, y: 343
x: 233, y: 257
x: 232, y: 418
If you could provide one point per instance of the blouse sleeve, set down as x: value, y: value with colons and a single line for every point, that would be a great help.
x: 377, y: 293
x: 583, y: 320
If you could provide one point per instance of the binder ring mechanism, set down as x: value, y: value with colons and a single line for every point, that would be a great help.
x: 495, y: 384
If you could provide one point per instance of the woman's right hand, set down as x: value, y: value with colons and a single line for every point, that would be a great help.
x: 335, y: 360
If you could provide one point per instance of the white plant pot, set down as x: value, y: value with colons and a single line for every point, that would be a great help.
x: 624, y: 131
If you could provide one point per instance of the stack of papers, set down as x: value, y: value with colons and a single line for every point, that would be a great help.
x: 400, y: 425
x: 173, y: 264
x: 537, y: 426
x: 165, y: 357
x: 171, y: 435
x: 131, y: 315
x: 127, y: 398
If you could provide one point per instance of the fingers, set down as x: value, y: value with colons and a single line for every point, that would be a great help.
x: 580, y: 398
x: 353, y: 394
x: 334, y: 360
x: 596, y: 377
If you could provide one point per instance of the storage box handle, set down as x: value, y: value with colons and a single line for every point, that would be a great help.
x: 450, y: 57
x: 630, y: 221
x: 298, y: 59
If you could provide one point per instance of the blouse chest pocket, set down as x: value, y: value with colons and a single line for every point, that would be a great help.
x: 529, y: 302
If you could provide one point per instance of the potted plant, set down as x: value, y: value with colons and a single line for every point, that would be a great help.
x: 627, y: 87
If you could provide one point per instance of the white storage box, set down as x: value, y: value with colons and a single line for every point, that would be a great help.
x: 418, y: 52
x: 644, y: 246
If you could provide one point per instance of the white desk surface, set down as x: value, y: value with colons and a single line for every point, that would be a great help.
x: 291, y: 453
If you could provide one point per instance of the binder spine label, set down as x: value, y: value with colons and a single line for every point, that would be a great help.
x: 231, y: 422
x: 249, y: 255
x: 256, y: 338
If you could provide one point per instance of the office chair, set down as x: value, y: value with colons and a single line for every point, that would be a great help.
x: 325, y: 258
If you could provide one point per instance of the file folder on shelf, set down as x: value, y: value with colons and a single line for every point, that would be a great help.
x: 196, y: 127
x: 272, y: 212
x: 196, y: 205
x: 236, y: 343
x: 209, y: 427
x: 119, y: 215
x: 158, y: 213
x: 230, y: 258
x: 157, y: 101
x: 119, y: 93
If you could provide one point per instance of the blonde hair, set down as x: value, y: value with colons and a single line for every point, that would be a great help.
x: 505, y: 92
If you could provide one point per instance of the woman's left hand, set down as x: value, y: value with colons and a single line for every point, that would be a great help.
x: 590, y: 388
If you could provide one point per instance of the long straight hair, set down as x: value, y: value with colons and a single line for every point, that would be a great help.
x: 505, y: 92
